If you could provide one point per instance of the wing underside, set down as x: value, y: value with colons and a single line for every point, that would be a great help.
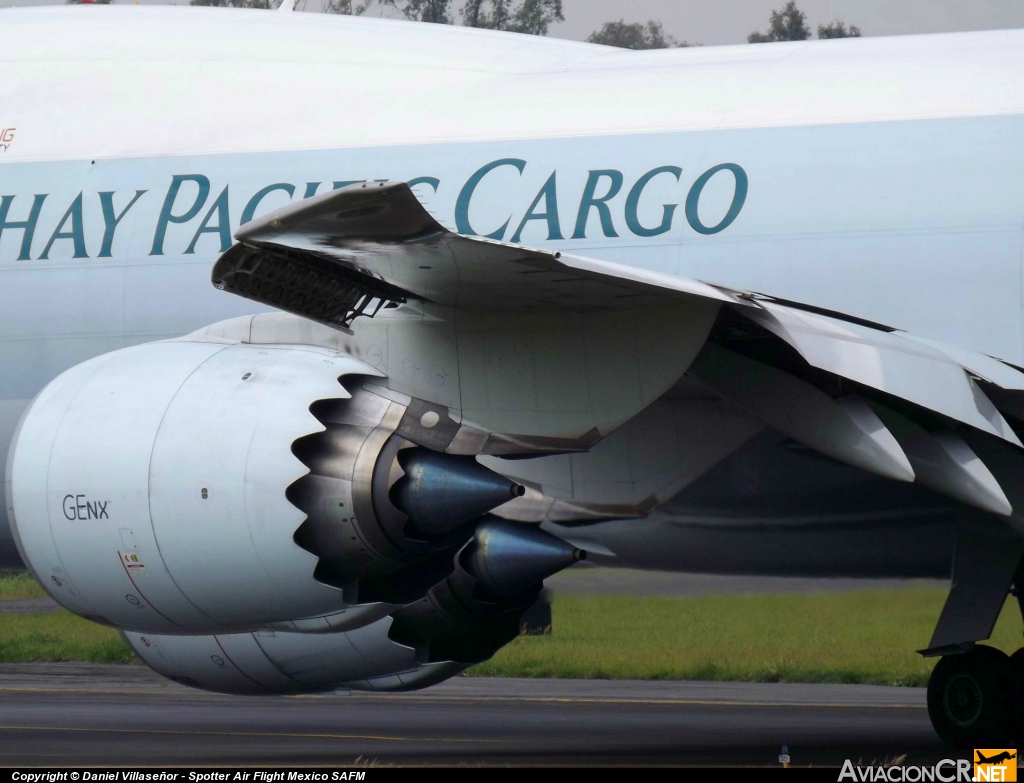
x: 884, y: 400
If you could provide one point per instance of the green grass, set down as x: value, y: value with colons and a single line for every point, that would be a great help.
x: 59, y: 636
x: 866, y: 637
x: 861, y: 637
x: 18, y: 584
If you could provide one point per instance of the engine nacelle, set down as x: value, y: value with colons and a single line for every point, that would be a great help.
x: 463, y: 619
x: 478, y: 609
x: 183, y: 487
x: 273, y: 662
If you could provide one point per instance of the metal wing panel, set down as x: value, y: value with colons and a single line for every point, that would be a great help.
x: 985, y: 367
x: 381, y: 231
x: 889, y: 362
x: 846, y: 429
x: 945, y: 463
x: 334, y: 257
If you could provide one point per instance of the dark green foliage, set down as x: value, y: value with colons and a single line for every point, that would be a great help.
x: 527, y: 16
x: 838, y: 30
x: 265, y: 4
x: 434, y: 11
x: 634, y: 35
x: 346, y: 7
x: 789, y: 24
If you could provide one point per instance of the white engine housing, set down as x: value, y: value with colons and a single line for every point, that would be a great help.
x: 274, y: 662
x: 146, y: 487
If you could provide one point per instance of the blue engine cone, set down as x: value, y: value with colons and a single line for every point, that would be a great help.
x: 440, y: 492
x: 508, y: 557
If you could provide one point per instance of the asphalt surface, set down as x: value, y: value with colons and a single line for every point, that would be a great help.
x: 94, y: 714
x: 28, y: 606
x: 584, y: 578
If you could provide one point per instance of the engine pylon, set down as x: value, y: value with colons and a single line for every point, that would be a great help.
x: 440, y: 492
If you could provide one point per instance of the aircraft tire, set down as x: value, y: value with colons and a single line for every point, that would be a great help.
x: 971, y: 698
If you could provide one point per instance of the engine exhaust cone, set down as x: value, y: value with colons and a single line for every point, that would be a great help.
x: 440, y: 492
x: 508, y: 557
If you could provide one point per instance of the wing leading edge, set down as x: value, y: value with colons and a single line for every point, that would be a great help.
x: 312, y: 256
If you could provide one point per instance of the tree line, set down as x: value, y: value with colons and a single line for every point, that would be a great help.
x: 789, y: 24
x: 534, y: 17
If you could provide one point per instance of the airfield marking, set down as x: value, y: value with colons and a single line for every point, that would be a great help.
x: 537, y: 699
x: 105, y: 691
x: 265, y: 734
x: 598, y: 700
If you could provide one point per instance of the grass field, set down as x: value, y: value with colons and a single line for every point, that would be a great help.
x: 18, y: 584
x: 59, y: 636
x: 56, y: 636
x: 857, y: 637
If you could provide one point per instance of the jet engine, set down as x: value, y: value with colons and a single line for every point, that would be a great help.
x: 272, y: 662
x: 477, y: 610
x: 464, y: 619
x: 186, y: 486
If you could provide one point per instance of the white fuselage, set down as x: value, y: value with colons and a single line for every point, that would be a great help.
x: 877, y: 177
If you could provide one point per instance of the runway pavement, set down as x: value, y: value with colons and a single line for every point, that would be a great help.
x: 92, y: 714
x: 587, y: 579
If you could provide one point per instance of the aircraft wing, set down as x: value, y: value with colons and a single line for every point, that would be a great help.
x: 314, y: 257
x: 884, y: 400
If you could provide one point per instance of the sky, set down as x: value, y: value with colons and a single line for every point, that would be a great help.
x: 713, y: 22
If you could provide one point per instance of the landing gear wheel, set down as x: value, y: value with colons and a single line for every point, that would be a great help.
x: 1017, y: 666
x: 970, y: 698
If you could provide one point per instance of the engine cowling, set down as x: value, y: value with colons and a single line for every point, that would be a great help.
x: 272, y: 662
x: 187, y: 487
x: 463, y: 619
x: 478, y: 608
x: 383, y: 515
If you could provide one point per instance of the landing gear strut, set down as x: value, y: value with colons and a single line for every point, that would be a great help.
x: 971, y: 698
x: 976, y: 693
